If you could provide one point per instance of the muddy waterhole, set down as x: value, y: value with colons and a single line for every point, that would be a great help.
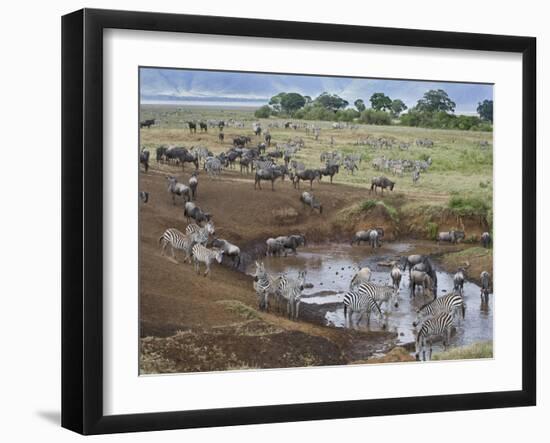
x: 330, y: 268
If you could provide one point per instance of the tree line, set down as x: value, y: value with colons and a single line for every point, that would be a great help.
x: 434, y: 110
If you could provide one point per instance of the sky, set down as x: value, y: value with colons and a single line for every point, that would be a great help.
x: 255, y: 89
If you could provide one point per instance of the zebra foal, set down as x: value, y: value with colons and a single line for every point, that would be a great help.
x: 202, y: 254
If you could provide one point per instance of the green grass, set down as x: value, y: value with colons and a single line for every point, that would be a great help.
x: 473, y: 351
x: 460, y: 177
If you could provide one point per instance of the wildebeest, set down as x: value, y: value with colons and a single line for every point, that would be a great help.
x: 306, y: 175
x: 191, y: 210
x: 291, y: 242
x: 381, y: 182
x: 193, y: 183
x: 144, y: 159
x: 229, y: 250
x: 330, y: 170
x: 415, y: 176
x: 147, y: 123
x: 484, y: 277
x: 144, y: 196
x: 241, y: 140
x: 258, y: 131
x: 485, y: 239
x: 266, y: 174
x: 426, y: 265
x: 178, y: 189
x: 308, y: 199
x: 267, y: 138
x: 365, y: 235
x: 458, y: 282
x: 423, y: 280
x: 192, y: 127
x: 451, y: 236
x: 181, y: 155
x: 221, y: 136
x: 410, y: 260
x: 362, y: 276
x: 274, y: 247
x: 203, y: 126
x: 395, y: 275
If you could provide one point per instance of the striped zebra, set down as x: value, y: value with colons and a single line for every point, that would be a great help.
x: 363, y: 303
x: 395, y: 275
x: 451, y: 303
x: 381, y: 294
x: 202, y: 233
x: 290, y: 290
x: 202, y: 254
x: 264, y: 285
x: 177, y: 241
x: 439, y: 326
x: 213, y: 166
x: 262, y: 164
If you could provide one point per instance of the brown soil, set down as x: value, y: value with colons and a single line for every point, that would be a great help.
x: 192, y: 323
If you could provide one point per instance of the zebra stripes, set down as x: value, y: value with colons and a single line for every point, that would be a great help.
x: 202, y: 254
x: 381, y: 294
x: 177, y: 241
x: 451, y: 303
x: 364, y: 303
x: 213, y: 166
x: 264, y: 285
x: 201, y: 234
x: 291, y: 291
x: 438, y: 326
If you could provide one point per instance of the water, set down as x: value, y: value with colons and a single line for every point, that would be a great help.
x: 331, y: 267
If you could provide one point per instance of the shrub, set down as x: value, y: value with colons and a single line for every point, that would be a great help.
x: 372, y: 117
x: 432, y: 230
x: 367, y: 205
x: 263, y: 112
x: 468, y: 206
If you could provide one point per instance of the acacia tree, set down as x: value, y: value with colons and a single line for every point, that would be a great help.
x: 397, y: 107
x: 380, y: 101
x: 331, y: 102
x: 360, y: 105
x: 291, y: 102
x: 485, y: 110
x: 436, y: 100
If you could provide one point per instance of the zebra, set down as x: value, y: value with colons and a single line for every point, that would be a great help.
x: 381, y: 294
x: 264, y: 285
x: 439, y: 326
x: 395, y: 275
x: 213, y: 166
x: 451, y: 303
x: 202, y: 233
x: 484, y: 277
x: 458, y: 282
x: 363, y: 303
x: 291, y: 291
x: 144, y: 196
x: 374, y: 238
x: 177, y: 240
x: 201, y: 254
x: 179, y: 189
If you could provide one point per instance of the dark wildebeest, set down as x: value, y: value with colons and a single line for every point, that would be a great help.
x: 426, y: 265
x: 192, y: 127
x: 229, y: 250
x: 306, y: 175
x: 161, y: 152
x: 365, y: 235
x: 330, y: 170
x: 241, y: 140
x: 221, y: 137
x: 182, y: 155
x: 144, y: 196
x: 221, y: 125
x: 291, y: 242
x: 258, y: 131
x: 451, y: 236
x: 422, y: 279
x: 485, y: 239
x: 458, y: 282
x: 144, y: 159
x: 381, y: 182
x: 147, y: 123
x: 308, y: 199
x: 270, y: 174
x: 191, y: 210
x: 267, y: 138
x: 178, y: 189
x: 203, y: 126
x: 193, y: 183
x: 484, y: 277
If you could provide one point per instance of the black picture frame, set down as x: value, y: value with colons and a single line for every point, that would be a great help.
x: 82, y: 218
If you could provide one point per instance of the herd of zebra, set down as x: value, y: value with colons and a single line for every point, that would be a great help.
x: 433, y: 321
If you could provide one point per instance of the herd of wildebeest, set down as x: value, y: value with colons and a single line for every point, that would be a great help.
x: 256, y: 153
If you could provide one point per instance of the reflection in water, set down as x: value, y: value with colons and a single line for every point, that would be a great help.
x: 331, y: 267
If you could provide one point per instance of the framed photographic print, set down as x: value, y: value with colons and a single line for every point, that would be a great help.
x: 271, y: 221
